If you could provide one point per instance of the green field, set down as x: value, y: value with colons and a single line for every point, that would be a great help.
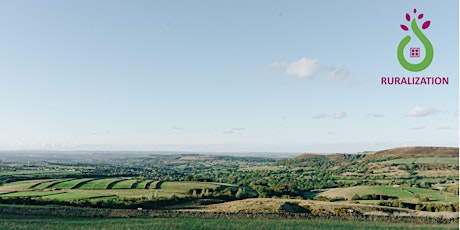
x: 24, y: 184
x: 125, y: 184
x: 142, y: 184
x: 99, y: 184
x: 71, y: 183
x: 93, y: 188
x: 185, y: 186
x: 30, y: 193
x: 49, y: 183
x: 400, y: 192
x: 50, y: 223
x: 433, y: 195
x: 73, y: 196
x: 425, y: 160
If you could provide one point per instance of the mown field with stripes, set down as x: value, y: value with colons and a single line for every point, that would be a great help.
x: 102, y: 188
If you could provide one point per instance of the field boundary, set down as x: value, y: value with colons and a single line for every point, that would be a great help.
x: 111, y: 184
x: 77, y: 186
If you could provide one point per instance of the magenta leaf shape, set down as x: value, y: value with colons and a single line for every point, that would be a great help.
x: 408, y: 17
x: 404, y: 27
x: 420, y: 16
x: 426, y: 24
x: 415, y: 11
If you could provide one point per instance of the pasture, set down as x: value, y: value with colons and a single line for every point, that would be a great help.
x: 400, y: 192
x: 8, y: 221
x: 99, y: 184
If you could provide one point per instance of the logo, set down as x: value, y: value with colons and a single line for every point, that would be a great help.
x: 415, y: 51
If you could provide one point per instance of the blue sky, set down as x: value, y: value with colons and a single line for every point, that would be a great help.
x: 222, y: 76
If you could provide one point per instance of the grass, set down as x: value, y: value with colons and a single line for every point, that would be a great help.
x: 50, y: 223
x: 125, y: 184
x: 30, y: 193
x: 72, y: 196
x: 142, y: 184
x: 24, y: 184
x: 433, y: 195
x: 71, y: 183
x: 99, y: 184
x: 400, y: 192
x: 49, y: 184
x: 185, y: 186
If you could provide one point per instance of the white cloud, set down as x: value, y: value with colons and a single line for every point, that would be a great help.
x: 177, y: 127
x: 239, y: 129
x: 319, y: 116
x: 421, y: 111
x: 339, y: 74
x: 417, y: 128
x: 339, y: 115
x: 307, y: 67
x: 302, y: 68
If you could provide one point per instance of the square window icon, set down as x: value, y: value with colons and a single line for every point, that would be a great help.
x: 415, y: 52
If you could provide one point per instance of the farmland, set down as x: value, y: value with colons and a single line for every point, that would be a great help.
x: 398, y: 192
x: 99, y: 188
x: 417, y: 181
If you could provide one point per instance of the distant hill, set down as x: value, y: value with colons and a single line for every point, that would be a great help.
x: 418, y: 151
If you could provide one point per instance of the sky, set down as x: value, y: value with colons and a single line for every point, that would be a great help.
x: 223, y: 76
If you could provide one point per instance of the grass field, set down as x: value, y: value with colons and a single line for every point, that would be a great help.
x: 50, y: 223
x: 49, y: 183
x: 99, y: 184
x: 71, y: 183
x: 30, y: 193
x: 73, y: 196
x: 24, y: 184
x: 425, y: 160
x: 91, y: 188
x: 125, y: 184
x: 400, y: 192
x: 185, y: 186
x: 142, y: 184
x: 434, y: 195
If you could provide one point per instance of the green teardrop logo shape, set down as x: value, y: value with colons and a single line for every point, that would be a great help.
x: 426, y: 43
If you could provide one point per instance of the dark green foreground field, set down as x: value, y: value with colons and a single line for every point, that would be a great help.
x: 49, y: 223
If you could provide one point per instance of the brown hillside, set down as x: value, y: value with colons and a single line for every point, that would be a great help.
x: 418, y: 151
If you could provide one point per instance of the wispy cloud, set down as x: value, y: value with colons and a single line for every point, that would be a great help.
x: 339, y: 115
x: 376, y: 115
x: 444, y: 128
x: 319, y: 116
x: 421, y: 111
x: 308, y: 67
x: 233, y: 130
x: 339, y: 74
x: 177, y: 127
x: 418, y: 128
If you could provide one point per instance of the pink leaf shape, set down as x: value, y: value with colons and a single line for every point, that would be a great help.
x: 420, y: 16
x: 426, y: 24
x: 408, y: 17
x: 404, y: 27
x: 415, y: 11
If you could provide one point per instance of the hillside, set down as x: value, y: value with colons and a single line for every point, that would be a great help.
x: 418, y: 151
